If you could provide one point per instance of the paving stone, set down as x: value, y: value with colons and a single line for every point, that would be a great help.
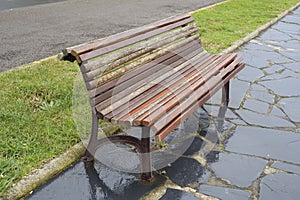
x: 238, y: 90
x: 255, y: 45
x: 293, y: 66
x: 262, y: 95
x: 99, y: 182
x: 287, y: 28
x: 273, y: 69
x: 274, y: 34
x: 289, y: 106
x: 277, y: 76
x: 287, y: 167
x: 277, y: 112
x: 291, y: 19
x: 293, y: 54
x: 252, y: 59
x: 256, y: 106
x: 280, y: 186
x: 224, y: 193
x: 275, y: 144
x: 237, y: 122
x: 284, y: 87
x: 178, y: 195
x: 214, y: 111
x: 186, y: 171
x: 238, y: 169
x: 263, y: 120
x: 250, y: 74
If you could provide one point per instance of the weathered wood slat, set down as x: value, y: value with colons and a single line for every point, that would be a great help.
x: 113, y: 59
x: 141, y: 86
x: 161, y: 134
x: 190, y: 101
x: 100, y: 51
x: 90, y: 46
x: 115, y: 74
x: 150, y: 96
x: 168, y: 102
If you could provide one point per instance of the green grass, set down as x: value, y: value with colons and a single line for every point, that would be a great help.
x: 36, y: 121
x: 222, y: 25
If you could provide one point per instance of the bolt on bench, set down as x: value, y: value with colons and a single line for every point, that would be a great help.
x: 154, y: 77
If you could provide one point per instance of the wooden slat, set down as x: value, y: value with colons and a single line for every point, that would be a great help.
x: 192, y: 99
x: 161, y: 134
x: 104, y: 79
x: 190, y: 90
x: 135, y: 88
x: 90, y: 46
x: 124, y: 55
x: 103, y: 50
x: 141, y: 101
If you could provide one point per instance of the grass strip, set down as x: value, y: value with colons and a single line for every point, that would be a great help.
x: 36, y: 121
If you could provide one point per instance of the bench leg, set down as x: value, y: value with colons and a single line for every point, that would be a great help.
x: 225, y: 93
x: 91, y: 148
x: 146, y: 166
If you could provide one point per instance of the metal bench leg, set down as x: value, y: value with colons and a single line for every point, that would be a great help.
x: 91, y: 148
x: 146, y: 166
x: 225, y: 93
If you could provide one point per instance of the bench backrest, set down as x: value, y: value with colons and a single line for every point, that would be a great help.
x: 102, y: 62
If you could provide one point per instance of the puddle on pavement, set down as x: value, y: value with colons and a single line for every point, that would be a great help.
x: 11, y: 4
x: 85, y: 181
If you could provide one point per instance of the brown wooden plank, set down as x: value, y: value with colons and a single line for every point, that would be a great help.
x: 112, y: 47
x: 161, y: 134
x: 191, y: 100
x: 131, y: 52
x: 89, y: 46
x: 141, y: 112
x: 117, y: 73
x: 150, y: 96
x: 138, y: 74
x: 136, y: 88
x: 152, y: 117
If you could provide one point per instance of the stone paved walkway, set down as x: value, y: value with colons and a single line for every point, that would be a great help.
x: 254, y: 156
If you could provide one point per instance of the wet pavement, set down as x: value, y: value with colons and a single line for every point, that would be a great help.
x: 252, y: 153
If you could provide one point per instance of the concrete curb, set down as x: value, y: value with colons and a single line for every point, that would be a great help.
x: 38, y: 177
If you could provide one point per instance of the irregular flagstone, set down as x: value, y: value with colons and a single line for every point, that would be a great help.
x: 264, y: 96
x: 238, y: 90
x: 284, y: 87
x: 280, y: 186
x: 291, y: 19
x: 256, y: 106
x: 263, y: 120
x: 293, y: 66
x: 287, y: 167
x: 286, y: 27
x: 273, y: 69
x: 268, y: 143
x: 274, y: 34
x: 277, y: 112
x: 238, y: 169
x: 253, y: 60
x: 224, y: 193
x: 291, y: 107
x: 250, y: 74
x: 178, y: 195
x: 186, y: 171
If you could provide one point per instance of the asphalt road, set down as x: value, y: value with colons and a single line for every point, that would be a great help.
x: 31, y: 33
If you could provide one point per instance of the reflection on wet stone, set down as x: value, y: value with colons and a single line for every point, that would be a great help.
x: 186, y: 171
x: 178, y: 195
x: 280, y: 186
x: 224, y: 193
x: 239, y: 170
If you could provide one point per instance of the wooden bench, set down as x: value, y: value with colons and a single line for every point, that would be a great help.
x: 154, y: 77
